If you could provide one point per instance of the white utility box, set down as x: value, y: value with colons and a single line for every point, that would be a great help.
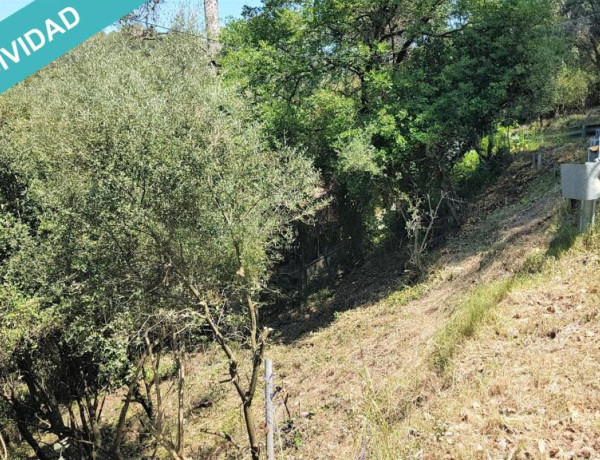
x: 580, y: 181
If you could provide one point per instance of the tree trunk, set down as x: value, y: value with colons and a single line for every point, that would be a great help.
x: 251, y: 430
x: 120, y: 429
x: 92, y: 406
x: 213, y: 29
x: 4, y: 448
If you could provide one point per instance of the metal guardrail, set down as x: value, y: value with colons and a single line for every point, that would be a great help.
x: 583, y: 131
x: 573, y: 132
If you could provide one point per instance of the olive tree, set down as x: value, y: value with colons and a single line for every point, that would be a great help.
x: 159, y: 208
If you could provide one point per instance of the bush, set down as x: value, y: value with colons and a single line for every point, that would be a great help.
x: 534, y: 263
x: 160, y: 197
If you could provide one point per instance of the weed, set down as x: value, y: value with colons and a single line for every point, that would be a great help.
x: 534, y: 263
x: 298, y: 440
x: 383, y: 408
x: 565, y: 234
x: 408, y: 294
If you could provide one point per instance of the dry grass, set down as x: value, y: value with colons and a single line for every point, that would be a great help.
x: 493, y: 356
x: 526, y: 386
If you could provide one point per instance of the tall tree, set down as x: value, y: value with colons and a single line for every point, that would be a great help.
x: 147, y: 11
x: 213, y: 27
x: 583, y: 21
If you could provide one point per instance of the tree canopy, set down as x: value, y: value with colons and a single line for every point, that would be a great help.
x: 144, y: 189
x: 390, y: 95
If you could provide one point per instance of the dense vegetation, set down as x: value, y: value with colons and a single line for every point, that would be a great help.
x: 147, y: 196
x: 387, y: 96
x: 144, y: 201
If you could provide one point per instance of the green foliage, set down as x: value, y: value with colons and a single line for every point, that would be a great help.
x: 526, y: 141
x: 475, y: 172
x: 387, y: 96
x: 585, y: 39
x: 407, y: 294
x: 466, y: 167
x: 534, y: 263
x: 149, y: 177
x: 572, y: 89
x: 21, y: 323
x: 564, y: 238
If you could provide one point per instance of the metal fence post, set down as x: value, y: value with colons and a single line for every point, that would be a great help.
x: 587, y: 214
x: 269, y: 409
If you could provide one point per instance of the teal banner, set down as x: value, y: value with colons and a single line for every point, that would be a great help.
x: 44, y: 30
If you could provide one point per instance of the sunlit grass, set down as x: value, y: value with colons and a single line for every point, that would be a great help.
x: 474, y: 310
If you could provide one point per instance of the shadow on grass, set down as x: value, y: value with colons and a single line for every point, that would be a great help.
x: 131, y: 447
x: 564, y: 238
x: 517, y: 203
x: 380, y: 276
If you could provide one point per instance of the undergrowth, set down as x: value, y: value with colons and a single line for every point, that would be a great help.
x: 408, y: 294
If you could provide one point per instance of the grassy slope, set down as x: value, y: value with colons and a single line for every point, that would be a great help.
x: 494, y: 356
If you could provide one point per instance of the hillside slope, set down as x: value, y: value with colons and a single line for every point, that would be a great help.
x: 373, y: 379
x: 494, y: 355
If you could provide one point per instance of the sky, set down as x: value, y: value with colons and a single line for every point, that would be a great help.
x: 228, y: 8
x: 8, y: 7
x: 234, y: 7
